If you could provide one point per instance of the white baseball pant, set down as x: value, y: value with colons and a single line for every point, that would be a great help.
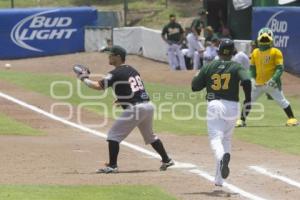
x: 275, y: 93
x: 175, y: 57
x: 221, y: 118
x: 194, y: 47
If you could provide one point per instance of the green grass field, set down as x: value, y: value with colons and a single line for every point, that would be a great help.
x: 35, y: 3
x: 268, y: 131
x: 10, y: 126
x: 152, y: 13
x: 20, y: 192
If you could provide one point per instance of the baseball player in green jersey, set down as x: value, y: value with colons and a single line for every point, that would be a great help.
x: 198, y: 23
x: 222, y: 79
x: 173, y: 34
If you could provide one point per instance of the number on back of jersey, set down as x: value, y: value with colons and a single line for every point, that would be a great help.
x: 136, y: 83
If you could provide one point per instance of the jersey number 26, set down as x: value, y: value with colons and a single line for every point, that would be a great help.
x: 136, y: 83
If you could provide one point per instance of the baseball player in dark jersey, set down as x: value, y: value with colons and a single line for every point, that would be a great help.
x: 173, y: 35
x: 222, y: 78
x: 198, y: 23
x: 138, y: 111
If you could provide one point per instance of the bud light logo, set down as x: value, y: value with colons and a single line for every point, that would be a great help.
x: 42, y: 27
x: 280, y: 30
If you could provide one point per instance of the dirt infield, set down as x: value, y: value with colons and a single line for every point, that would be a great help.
x: 69, y: 156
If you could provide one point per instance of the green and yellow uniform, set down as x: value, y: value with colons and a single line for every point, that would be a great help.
x: 266, y: 65
x: 221, y: 80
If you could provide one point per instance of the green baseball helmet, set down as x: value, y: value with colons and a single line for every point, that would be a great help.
x: 226, y: 47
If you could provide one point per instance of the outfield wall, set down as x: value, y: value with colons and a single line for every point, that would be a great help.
x: 139, y: 40
x: 32, y: 32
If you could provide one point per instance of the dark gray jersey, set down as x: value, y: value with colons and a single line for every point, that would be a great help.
x: 127, y: 85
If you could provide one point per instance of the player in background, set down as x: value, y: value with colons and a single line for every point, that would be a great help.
x: 266, y: 68
x: 138, y: 110
x: 173, y: 35
x: 211, y: 51
x: 198, y: 24
x: 222, y: 79
x: 194, y: 50
x: 242, y: 58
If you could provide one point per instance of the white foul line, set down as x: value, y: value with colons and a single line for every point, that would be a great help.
x: 275, y: 176
x: 132, y: 146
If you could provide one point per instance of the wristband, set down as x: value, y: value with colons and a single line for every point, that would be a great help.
x: 88, y: 82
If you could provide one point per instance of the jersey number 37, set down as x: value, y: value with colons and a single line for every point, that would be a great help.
x: 136, y: 83
x: 220, y: 81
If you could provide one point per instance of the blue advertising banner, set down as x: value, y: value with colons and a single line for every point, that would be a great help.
x: 284, y: 23
x: 31, y: 32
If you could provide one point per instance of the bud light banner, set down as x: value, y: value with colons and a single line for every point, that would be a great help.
x: 284, y: 22
x: 43, y: 31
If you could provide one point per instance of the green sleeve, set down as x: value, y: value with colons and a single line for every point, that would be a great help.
x: 242, y: 73
x: 194, y: 23
x: 164, y: 31
x: 278, y: 73
x: 198, y: 82
x: 252, y: 71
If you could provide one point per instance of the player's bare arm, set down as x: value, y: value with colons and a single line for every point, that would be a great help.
x: 93, y: 84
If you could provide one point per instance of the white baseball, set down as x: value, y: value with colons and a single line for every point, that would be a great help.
x: 7, y: 65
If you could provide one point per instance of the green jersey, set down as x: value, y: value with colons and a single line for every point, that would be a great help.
x: 221, y: 80
x: 198, y: 24
x: 174, y: 32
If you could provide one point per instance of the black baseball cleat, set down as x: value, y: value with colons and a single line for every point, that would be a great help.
x: 165, y: 165
x: 108, y: 170
x: 224, y: 165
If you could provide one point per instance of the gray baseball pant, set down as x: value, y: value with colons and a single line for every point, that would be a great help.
x: 139, y: 115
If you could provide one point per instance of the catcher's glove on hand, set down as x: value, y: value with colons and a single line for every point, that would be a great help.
x: 81, y: 71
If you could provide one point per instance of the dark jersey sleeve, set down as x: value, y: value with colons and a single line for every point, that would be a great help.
x: 181, y: 29
x: 165, y: 30
x: 108, y: 80
x: 194, y: 23
x: 199, y: 82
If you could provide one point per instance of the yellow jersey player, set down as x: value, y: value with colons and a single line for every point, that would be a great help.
x: 266, y: 68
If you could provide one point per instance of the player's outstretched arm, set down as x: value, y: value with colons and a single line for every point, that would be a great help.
x: 198, y: 82
x: 93, y: 84
x: 83, y: 73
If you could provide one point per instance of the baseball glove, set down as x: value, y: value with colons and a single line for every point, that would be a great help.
x: 81, y: 71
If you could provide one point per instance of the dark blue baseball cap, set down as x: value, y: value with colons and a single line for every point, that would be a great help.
x: 118, y: 51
